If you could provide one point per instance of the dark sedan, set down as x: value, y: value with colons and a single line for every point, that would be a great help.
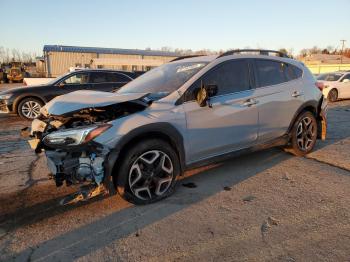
x: 27, y: 101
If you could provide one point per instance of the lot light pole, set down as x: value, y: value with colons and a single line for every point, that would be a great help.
x: 341, y: 54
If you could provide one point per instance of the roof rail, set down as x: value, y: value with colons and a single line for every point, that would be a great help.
x: 260, y: 51
x: 184, y: 57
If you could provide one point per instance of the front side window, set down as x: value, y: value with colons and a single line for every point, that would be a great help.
x: 270, y: 72
x: 80, y: 78
x: 229, y: 77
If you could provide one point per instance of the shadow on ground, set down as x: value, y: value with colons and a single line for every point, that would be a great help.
x: 128, y: 220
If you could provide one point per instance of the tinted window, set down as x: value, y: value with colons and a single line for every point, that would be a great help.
x: 330, y: 77
x: 80, y: 78
x: 297, y: 71
x: 229, y: 77
x: 271, y: 72
x: 346, y: 77
x: 98, y: 77
x: 115, y: 77
x: 291, y: 72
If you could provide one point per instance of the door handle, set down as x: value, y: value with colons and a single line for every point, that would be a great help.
x: 296, y: 94
x: 250, y: 102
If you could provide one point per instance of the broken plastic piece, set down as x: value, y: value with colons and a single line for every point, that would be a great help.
x: 84, y: 194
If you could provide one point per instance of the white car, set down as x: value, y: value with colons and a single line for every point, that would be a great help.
x: 335, y: 85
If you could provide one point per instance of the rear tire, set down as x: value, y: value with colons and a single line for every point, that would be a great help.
x: 333, y: 95
x: 147, y: 172
x: 29, y: 108
x: 303, y: 134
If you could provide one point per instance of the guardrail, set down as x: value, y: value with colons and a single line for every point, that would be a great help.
x: 327, y: 68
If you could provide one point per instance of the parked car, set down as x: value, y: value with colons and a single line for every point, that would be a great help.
x: 184, y: 114
x: 27, y: 101
x: 335, y: 85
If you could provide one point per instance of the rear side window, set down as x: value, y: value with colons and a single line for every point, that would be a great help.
x: 98, y: 77
x: 274, y: 72
x: 292, y: 72
x: 116, y: 78
x: 270, y: 72
x: 106, y: 77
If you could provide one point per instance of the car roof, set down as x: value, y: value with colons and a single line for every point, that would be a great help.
x: 212, y: 58
x: 101, y: 70
x: 128, y: 73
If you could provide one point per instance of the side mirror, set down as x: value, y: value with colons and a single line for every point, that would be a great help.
x: 61, y: 84
x: 346, y: 81
x: 204, y: 93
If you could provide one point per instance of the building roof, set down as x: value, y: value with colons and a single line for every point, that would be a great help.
x: 102, y: 50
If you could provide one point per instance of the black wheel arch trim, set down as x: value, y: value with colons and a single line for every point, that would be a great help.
x: 162, y: 128
x: 314, y: 104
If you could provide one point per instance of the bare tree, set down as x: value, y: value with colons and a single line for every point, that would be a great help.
x: 2, y: 54
x: 16, y: 55
x: 7, y: 56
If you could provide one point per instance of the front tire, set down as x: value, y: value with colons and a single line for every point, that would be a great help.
x: 29, y: 108
x: 303, y: 134
x: 148, y: 172
x: 333, y: 95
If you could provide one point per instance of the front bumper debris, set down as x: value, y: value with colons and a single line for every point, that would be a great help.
x: 86, y: 165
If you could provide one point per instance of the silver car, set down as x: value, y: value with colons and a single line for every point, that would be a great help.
x: 190, y: 112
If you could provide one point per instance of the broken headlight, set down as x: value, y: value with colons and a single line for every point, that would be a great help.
x: 76, y: 136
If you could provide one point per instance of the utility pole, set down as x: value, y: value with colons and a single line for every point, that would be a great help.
x: 342, y: 48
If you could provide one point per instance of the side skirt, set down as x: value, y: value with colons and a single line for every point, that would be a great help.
x: 281, y: 141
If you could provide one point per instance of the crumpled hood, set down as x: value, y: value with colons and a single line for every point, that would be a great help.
x: 82, y: 99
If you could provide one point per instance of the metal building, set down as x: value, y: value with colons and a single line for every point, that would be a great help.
x: 58, y: 58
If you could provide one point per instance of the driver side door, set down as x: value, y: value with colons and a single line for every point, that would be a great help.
x: 232, y: 121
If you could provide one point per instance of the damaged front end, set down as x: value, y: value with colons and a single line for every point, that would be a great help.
x: 73, y: 157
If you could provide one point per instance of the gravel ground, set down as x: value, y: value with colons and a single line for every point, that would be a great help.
x: 264, y: 206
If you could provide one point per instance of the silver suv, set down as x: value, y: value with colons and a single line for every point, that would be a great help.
x: 190, y: 112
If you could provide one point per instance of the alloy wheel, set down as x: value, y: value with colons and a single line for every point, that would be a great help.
x: 306, y: 133
x: 151, y: 175
x: 333, y: 95
x: 31, y: 109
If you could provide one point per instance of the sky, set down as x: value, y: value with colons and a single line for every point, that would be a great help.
x: 186, y: 24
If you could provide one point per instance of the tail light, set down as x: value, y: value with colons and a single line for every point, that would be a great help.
x: 319, y: 85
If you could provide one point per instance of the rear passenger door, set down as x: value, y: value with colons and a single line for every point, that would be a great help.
x: 107, y: 81
x: 279, y: 95
x: 232, y: 121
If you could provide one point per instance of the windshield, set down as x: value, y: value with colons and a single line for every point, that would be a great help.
x: 163, y: 79
x: 329, y: 77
